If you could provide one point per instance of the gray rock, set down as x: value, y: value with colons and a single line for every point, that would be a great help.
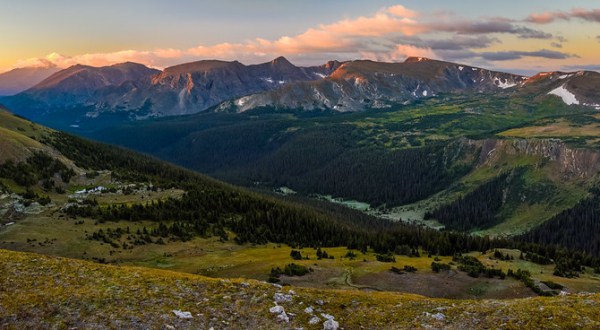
x: 282, y: 298
x: 182, y: 315
x: 331, y: 324
x: 314, y: 320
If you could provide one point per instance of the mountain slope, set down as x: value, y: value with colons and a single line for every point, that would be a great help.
x: 133, y: 91
x: 578, y: 88
x: 361, y: 85
x: 80, y: 83
x: 20, y: 79
x: 83, y: 294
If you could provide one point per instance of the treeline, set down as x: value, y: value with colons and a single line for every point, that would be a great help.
x: 37, y: 167
x: 576, y: 228
x: 333, y: 162
x: 260, y: 220
x: 339, y: 160
x: 477, y: 209
x: 211, y: 208
x: 126, y: 165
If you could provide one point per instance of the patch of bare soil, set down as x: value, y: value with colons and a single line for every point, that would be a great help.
x: 452, y: 284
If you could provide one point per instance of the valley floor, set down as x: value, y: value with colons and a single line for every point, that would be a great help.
x: 48, y: 292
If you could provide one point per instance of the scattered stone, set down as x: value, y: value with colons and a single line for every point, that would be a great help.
x: 320, y: 302
x: 309, y: 310
x: 282, y: 298
x: 277, y: 309
x: 314, y: 320
x: 169, y: 327
x: 331, y: 324
x: 183, y: 315
x: 245, y: 285
x: 292, y: 292
x: 278, y: 286
x: 281, y: 315
x: 563, y: 293
x: 436, y: 316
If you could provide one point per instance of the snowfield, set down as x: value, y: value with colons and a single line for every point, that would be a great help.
x: 565, y: 95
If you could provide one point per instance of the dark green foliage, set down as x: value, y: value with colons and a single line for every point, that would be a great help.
x: 396, y: 270
x: 575, y: 228
x: 474, y: 268
x: 477, y: 209
x: 538, y: 259
x: 525, y: 277
x: 289, y: 270
x: 409, y: 269
x: 350, y: 255
x: 296, y: 255
x: 470, y: 265
x: 326, y: 163
x: 505, y: 257
x: 38, y: 167
x: 321, y: 254
x: 388, y: 257
x: 438, y: 267
x: 553, y: 285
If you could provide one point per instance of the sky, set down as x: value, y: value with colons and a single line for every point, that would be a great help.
x: 516, y: 36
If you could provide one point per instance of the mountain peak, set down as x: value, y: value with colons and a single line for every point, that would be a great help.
x: 281, y: 61
x: 416, y: 59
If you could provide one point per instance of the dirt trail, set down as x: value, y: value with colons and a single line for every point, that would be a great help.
x: 348, y: 273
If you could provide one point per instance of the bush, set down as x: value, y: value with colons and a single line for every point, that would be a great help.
x: 388, y: 257
x: 438, y: 266
x: 296, y: 255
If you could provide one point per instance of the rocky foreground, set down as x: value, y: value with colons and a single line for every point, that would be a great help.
x: 46, y: 292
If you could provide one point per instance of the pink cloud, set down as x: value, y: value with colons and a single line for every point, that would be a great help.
x: 390, y: 34
x: 401, y: 11
x: 590, y: 15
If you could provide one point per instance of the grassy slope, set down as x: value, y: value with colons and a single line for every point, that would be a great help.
x: 38, y: 291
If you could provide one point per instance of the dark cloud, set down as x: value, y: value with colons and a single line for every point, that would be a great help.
x: 456, y: 43
x: 487, y: 27
x: 556, y: 45
x: 515, y: 55
x: 591, y: 15
x: 598, y: 38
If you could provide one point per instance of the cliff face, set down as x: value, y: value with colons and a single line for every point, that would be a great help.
x: 568, y: 162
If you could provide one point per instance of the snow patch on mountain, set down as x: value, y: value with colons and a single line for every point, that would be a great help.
x: 504, y: 84
x: 567, y: 97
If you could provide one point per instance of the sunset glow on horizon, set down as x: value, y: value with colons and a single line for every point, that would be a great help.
x: 509, y: 36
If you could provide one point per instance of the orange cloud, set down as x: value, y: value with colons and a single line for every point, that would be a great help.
x: 390, y: 34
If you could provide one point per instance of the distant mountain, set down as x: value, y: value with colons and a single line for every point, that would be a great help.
x: 138, y: 92
x: 578, y: 88
x: 360, y: 85
x: 80, y: 94
x: 194, y: 87
x: 81, y: 84
x: 20, y: 79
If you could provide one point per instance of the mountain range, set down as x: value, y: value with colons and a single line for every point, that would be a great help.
x: 17, y: 80
x: 132, y: 91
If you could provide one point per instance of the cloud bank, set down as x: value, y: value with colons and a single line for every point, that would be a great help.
x: 390, y: 34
